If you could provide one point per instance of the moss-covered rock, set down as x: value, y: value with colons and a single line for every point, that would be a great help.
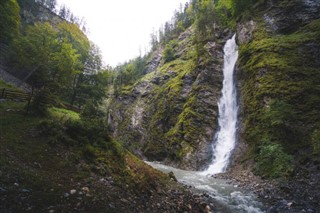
x: 279, y: 80
x: 171, y: 113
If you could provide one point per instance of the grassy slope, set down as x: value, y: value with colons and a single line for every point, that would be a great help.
x: 37, y: 170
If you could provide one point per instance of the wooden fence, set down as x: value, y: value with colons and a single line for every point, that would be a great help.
x: 27, y: 97
x: 16, y: 96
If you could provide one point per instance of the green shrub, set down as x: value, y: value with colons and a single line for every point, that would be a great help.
x: 89, y: 152
x: 168, y: 53
x: 273, y: 162
x: 315, y: 139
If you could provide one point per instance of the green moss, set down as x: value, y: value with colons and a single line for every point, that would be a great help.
x: 315, y: 139
x: 63, y: 114
x: 172, y: 130
x: 280, y: 74
x: 272, y: 161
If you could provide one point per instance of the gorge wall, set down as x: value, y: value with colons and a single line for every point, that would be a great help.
x: 170, y: 114
x: 279, y: 82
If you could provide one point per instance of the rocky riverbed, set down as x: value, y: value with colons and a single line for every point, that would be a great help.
x: 299, y: 193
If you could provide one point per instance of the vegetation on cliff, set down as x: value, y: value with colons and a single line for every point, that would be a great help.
x: 279, y: 78
x: 54, y: 159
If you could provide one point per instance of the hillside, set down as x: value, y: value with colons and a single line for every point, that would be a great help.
x: 57, y: 160
x: 161, y: 107
x: 62, y: 162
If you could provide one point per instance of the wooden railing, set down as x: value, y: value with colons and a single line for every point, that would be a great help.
x: 16, y: 96
x: 27, y: 97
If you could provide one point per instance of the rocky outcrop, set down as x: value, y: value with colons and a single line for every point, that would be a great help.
x: 287, y: 17
x: 278, y: 74
x: 171, y: 114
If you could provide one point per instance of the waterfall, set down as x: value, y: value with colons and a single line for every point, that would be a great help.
x: 225, y: 138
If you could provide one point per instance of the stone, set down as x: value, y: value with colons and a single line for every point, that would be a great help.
x: 85, y: 189
x: 73, y: 191
x: 172, y: 176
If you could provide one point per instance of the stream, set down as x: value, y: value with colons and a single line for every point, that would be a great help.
x: 227, y: 198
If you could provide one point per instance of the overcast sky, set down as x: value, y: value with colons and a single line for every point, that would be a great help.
x: 122, y: 27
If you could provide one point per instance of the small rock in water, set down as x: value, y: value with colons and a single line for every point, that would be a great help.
x: 66, y: 194
x: 208, y: 209
x: 172, y: 176
x: 290, y: 204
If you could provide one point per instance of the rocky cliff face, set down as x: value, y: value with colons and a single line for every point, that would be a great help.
x: 33, y: 12
x: 278, y: 81
x: 171, y: 114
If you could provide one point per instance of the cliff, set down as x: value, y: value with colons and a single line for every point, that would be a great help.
x: 278, y: 80
x: 171, y: 113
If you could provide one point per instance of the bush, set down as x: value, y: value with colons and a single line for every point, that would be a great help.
x: 315, y: 139
x: 168, y: 53
x: 273, y: 162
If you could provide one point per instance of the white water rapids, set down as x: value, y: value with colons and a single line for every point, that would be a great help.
x: 227, y: 198
x: 225, y: 139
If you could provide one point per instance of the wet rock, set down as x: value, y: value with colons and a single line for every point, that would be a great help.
x: 172, y: 176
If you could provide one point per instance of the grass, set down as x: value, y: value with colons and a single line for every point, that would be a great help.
x: 37, y: 173
x: 8, y: 86
x: 63, y: 114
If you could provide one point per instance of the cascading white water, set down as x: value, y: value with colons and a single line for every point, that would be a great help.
x: 225, y: 138
x: 228, y: 198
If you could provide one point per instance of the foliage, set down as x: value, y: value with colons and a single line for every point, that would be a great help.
x: 10, y: 20
x: 63, y: 114
x: 63, y: 61
x: 168, y: 52
x: 76, y: 37
x: 315, y: 139
x: 205, y: 19
x: 91, y: 111
x: 279, y: 81
x: 51, y: 63
x: 128, y: 73
x: 273, y: 161
x: 39, y: 104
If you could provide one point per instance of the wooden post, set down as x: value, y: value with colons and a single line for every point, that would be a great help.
x: 2, y: 95
x: 3, y: 92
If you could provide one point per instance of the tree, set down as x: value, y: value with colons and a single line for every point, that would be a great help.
x: 76, y: 37
x: 154, y: 40
x: 63, y: 12
x: 93, y: 63
x: 52, y: 62
x: 34, y: 50
x: 83, y: 80
x: 9, y: 20
x: 51, y: 4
